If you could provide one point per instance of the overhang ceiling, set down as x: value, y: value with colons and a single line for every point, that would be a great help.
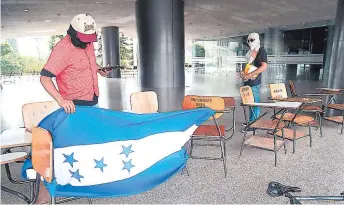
x: 203, y: 18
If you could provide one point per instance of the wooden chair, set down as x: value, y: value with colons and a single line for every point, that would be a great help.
x: 318, y: 110
x: 279, y: 91
x: 271, y: 126
x: 290, y: 133
x: 32, y: 113
x: 213, y: 132
x: 42, y: 160
x: 337, y: 119
x: 144, y: 102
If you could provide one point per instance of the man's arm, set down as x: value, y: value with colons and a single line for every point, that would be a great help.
x: 49, y: 86
x: 56, y: 63
x: 261, y: 69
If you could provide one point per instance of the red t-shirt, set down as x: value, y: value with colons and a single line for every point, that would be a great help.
x: 75, y: 70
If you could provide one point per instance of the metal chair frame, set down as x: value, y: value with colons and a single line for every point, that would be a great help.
x: 276, y: 149
x: 292, y: 125
x: 221, y: 138
x: 231, y: 129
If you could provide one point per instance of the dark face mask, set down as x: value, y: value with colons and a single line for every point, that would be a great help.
x: 75, y: 40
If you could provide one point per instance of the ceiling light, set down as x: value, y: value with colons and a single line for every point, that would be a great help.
x: 26, y: 10
x: 48, y: 20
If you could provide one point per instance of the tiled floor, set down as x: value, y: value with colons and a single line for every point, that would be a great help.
x: 318, y: 170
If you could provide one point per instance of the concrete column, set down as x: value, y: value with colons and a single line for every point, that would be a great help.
x: 160, y: 32
x: 111, y: 53
x: 327, y: 54
x: 273, y: 41
x: 336, y: 73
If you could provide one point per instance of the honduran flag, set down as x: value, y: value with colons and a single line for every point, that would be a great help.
x: 106, y: 153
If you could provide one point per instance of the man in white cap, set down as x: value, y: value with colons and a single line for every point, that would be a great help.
x: 258, y: 57
x: 73, y: 63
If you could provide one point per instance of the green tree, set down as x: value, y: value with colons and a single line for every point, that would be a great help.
x: 55, y: 39
x: 126, y: 52
x: 99, y: 51
x: 32, y: 64
x: 10, y: 60
x: 198, y: 50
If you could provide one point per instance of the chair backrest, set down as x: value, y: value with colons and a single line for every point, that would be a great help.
x: 42, y: 153
x: 213, y: 102
x: 144, y: 102
x: 278, y: 90
x: 292, y: 88
x: 33, y: 113
x: 246, y: 95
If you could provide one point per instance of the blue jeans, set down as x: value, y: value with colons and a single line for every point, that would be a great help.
x: 255, y: 111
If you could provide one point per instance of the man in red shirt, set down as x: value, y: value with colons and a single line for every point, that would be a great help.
x: 73, y: 63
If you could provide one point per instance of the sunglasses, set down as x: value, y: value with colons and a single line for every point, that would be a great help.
x: 250, y: 40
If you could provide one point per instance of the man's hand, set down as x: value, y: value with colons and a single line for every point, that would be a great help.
x: 67, y: 105
x: 49, y: 86
x: 104, y: 72
x: 247, y: 76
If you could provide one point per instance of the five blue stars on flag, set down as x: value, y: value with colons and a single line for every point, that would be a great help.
x: 100, y: 163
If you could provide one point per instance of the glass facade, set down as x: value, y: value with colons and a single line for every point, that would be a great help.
x: 296, y: 54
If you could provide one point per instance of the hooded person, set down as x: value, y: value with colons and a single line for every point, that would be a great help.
x: 254, y: 43
x: 256, y: 64
x: 72, y: 62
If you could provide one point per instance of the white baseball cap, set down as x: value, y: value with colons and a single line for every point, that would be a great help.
x: 85, y: 27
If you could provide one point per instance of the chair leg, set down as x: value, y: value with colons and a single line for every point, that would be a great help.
x: 293, y: 146
x: 53, y: 200
x: 342, y: 129
x: 294, y: 141
x: 284, y: 144
x: 320, y: 124
x: 223, y: 150
x: 275, y: 157
x: 186, y: 170
x: 36, y: 188
x: 191, y: 147
x: 242, y: 145
x: 310, y: 135
x: 20, y: 195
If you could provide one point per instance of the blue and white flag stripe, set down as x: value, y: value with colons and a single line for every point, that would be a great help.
x: 144, y: 181
x: 113, y: 161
